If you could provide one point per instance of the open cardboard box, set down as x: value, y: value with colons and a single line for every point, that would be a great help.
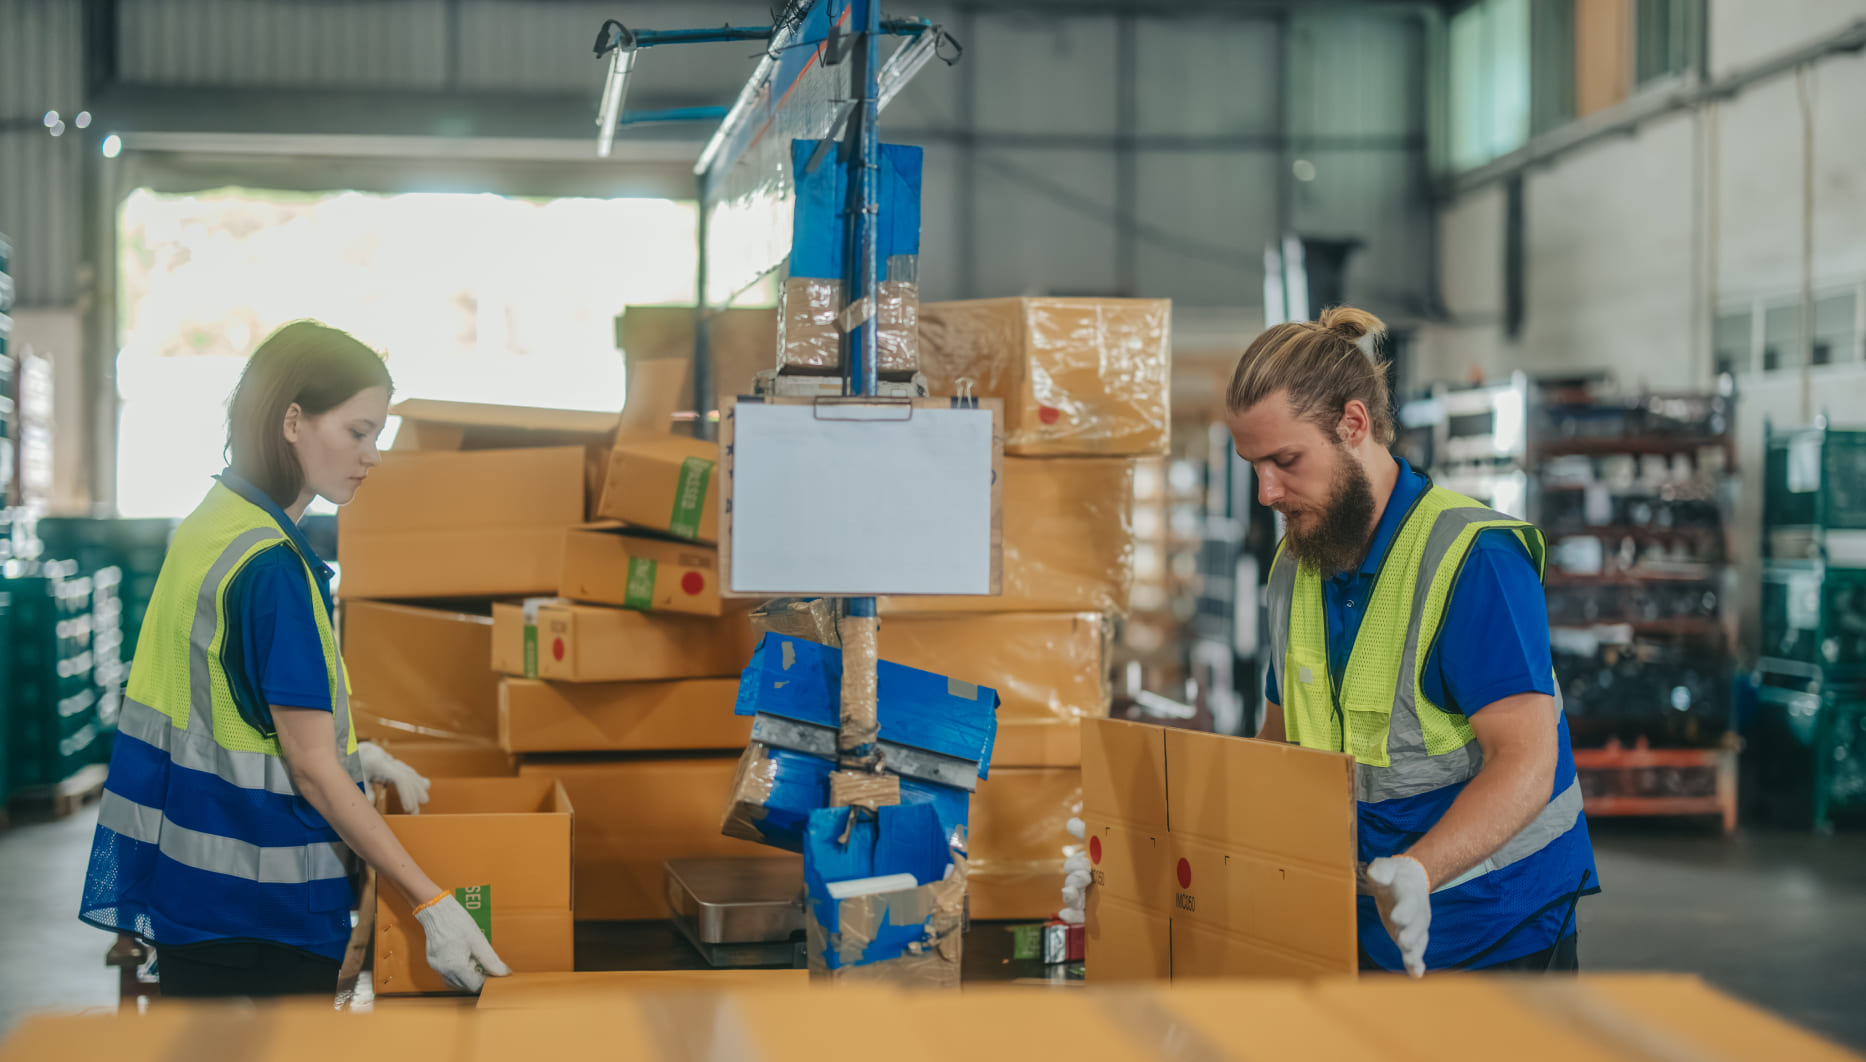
x: 1216, y: 856
x: 511, y: 835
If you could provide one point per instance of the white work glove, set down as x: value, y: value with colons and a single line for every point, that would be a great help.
x: 379, y: 766
x: 1077, y: 875
x: 1404, y: 896
x: 457, y: 950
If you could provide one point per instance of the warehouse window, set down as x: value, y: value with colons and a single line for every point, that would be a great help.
x: 1663, y: 32
x: 1735, y: 342
x: 1489, y: 90
x: 477, y: 298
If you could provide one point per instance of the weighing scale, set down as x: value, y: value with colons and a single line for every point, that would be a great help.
x: 739, y: 912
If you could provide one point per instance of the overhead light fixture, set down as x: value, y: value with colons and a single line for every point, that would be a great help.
x: 51, y: 119
x: 112, y: 146
x: 83, y: 120
x: 618, y: 43
x: 58, y: 128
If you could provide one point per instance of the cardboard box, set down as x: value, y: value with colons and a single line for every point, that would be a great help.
x: 592, y: 643
x: 433, y: 425
x: 607, y: 988
x: 1079, y: 377
x: 620, y: 716
x: 511, y: 835
x: 635, y: 815
x: 606, y: 565
x: 420, y: 673
x: 1019, y: 838
x: 810, y: 330
x: 665, y: 483
x: 453, y: 759
x: 657, y: 343
x: 1068, y: 540
x: 1242, y: 853
x: 1050, y: 670
x: 481, y: 523
x: 1597, y: 1018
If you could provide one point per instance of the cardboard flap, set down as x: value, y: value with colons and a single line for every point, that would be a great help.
x: 1124, y: 772
x: 428, y: 424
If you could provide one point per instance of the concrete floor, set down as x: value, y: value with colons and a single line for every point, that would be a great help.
x: 1779, y: 919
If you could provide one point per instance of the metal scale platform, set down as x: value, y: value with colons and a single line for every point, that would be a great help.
x: 739, y: 912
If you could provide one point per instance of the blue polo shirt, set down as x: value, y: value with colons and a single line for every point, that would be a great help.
x: 271, y: 650
x: 1494, y: 644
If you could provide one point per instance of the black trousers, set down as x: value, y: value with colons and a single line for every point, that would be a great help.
x: 1561, y: 957
x: 244, y: 968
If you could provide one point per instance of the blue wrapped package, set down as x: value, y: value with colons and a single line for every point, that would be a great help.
x: 906, y: 934
x: 936, y: 736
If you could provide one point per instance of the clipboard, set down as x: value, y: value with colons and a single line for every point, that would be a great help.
x: 858, y: 497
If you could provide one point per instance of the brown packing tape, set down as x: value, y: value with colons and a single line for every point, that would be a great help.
x: 751, y: 789
x: 863, y: 789
x: 861, y: 727
x: 811, y: 324
x: 812, y: 619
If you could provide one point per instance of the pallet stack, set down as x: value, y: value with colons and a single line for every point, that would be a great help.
x: 51, y: 693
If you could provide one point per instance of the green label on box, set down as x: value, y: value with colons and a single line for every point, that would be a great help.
x: 639, y: 593
x: 1026, y: 942
x: 477, y: 899
x: 531, y: 650
x: 690, y: 497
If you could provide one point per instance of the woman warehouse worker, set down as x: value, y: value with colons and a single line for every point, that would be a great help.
x: 235, y: 790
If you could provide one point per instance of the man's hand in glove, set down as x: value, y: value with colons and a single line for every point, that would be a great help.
x: 457, y: 950
x: 380, y: 767
x: 1404, y: 895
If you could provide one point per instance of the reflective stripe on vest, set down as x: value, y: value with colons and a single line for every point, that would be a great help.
x: 1413, y: 765
x: 293, y: 864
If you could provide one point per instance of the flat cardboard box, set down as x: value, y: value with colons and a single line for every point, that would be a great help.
x: 601, y: 988
x: 539, y: 716
x: 1019, y: 838
x: 419, y: 673
x: 1242, y: 850
x: 1068, y: 540
x: 606, y: 565
x: 1050, y: 670
x: 594, y: 643
x: 663, y: 482
x: 480, y: 523
x: 1079, y: 377
x: 635, y: 815
x: 511, y: 834
x: 1593, y: 1018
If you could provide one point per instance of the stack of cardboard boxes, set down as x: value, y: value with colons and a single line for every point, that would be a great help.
x: 533, y: 593
x: 1084, y: 385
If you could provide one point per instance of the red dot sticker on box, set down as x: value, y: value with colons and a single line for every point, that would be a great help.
x: 693, y: 582
x: 557, y: 648
x: 1049, y: 414
x: 1094, y: 849
x: 1185, y: 874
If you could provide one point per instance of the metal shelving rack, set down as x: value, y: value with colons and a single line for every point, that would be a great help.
x: 1632, y: 494
x: 1808, y: 738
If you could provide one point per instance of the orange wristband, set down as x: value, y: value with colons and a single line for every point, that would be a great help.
x: 444, y: 894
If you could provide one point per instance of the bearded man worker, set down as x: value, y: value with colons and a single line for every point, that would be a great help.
x: 1408, y: 627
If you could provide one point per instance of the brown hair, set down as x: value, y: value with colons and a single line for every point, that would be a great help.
x: 1321, y: 365
x: 314, y: 365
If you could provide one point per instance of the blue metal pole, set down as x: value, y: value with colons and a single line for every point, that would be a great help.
x: 862, y: 345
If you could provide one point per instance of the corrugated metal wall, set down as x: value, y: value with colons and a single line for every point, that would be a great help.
x: 40, y: 203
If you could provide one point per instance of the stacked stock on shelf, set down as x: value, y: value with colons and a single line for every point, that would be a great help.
x: 1806, y: 748
x: 1631, y: 494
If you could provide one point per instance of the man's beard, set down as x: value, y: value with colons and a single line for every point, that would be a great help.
x: 1338, y: 540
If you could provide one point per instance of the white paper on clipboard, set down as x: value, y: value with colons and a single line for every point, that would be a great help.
x: 854, y: 499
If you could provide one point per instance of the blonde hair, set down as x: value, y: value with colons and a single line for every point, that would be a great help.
x: 1322, y: 367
